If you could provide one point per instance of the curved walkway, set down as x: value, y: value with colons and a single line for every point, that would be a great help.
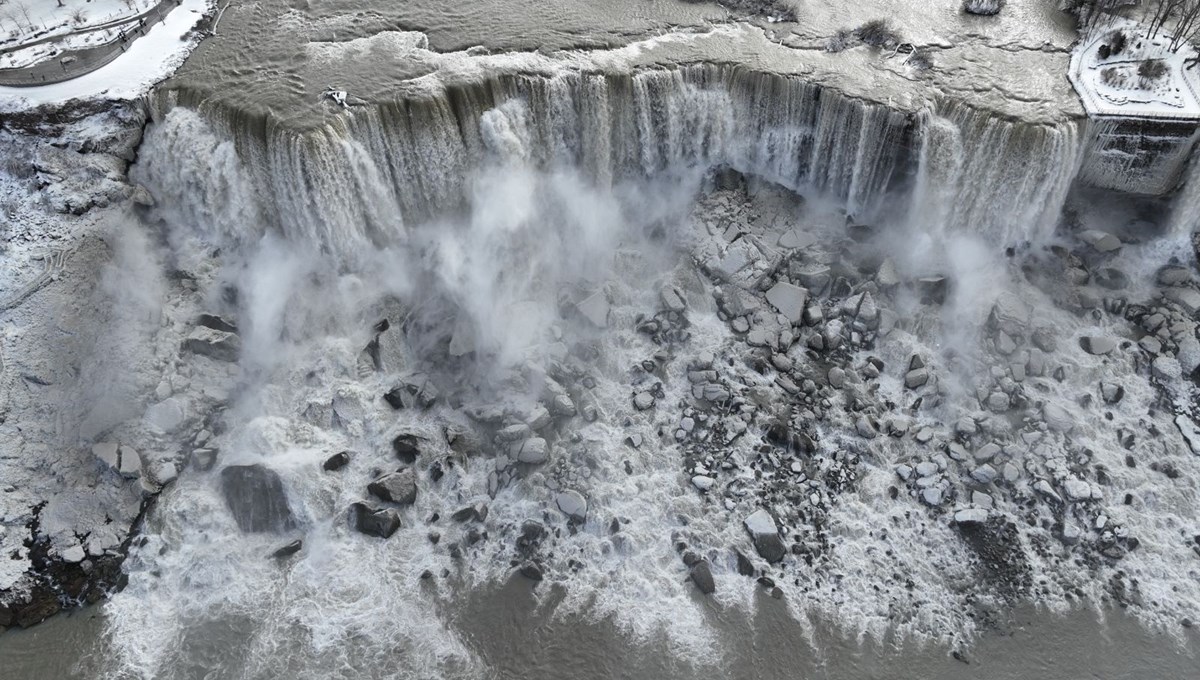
x: 74, y: 63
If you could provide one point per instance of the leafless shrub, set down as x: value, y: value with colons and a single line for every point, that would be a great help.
x: 877, y: 33
x: 920, y: 61
x: 1151, y: 70
x: 1113, y: 77
x: 839, y: 41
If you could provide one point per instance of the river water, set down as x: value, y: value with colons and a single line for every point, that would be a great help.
x: 512, y: 636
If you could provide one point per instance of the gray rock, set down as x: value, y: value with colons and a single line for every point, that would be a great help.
x: 1097, y: 345
x: 1077, y: 489
x: 672, y: 299
x: 398, y: 487
x: 926, y: 469
x: 986, y: 452
x: 968, y: 516
x: 998, y: 402
x: 984, y: 474
x: 374, y: 521
x: 256, y: 499
x: 573, y: 505
x: 108, y: 453
x: 1172, y: 276
x: 886, y: 275
x: 1043, y: 339
x: 1011, y: 473
x: 73, y: 555
x: 865, y: 428
x: 1188, y: 298
x: 513, y: 433
x: 702, y: 576
x: 533, y: 451
x: 1043, y: 487
x: 795, y: 239
x: 538, y: 417
x: 765, y: 535
x: 837, y: 378
x: 916, y: 378
x: 982, y: 7
x: 1056, y: 417
x: 1191, y: 434
x: 1011, y: 314
x: 643, y: 401
x: 1110, y: 278
x: 1166, y: 368
x: 1112, y: 393
x: 1102, y: 242
x: 932, y: 496
x: 789, y: 299
x: 131, y: 463
x: 702, y: 482
x: 336, y: 462
x: 1004, y: 343
x: 288, y: 550
x: 595, y: 309
x: 214, y: 344
x: 562, y: 406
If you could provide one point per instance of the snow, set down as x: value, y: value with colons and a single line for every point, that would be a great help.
x: 46, y: 18
x: 1112, y: 86
x: 28, y: 56
x: 148, y: 60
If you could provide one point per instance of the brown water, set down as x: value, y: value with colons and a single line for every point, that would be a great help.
x: 513, y: 637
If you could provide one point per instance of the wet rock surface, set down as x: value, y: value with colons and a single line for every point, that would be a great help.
x: 256, y: 498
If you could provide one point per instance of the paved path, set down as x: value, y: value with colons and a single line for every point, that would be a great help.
x: 74, y: 63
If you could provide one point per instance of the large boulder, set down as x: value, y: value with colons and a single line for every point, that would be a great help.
x: 703, y: 578
x: 407, y: 447
x: 573, y: 505
x: 256, y: 499
x: 789, y: 299
x: 767, y: 541
x: 398, y: 487
x: 1097, y: 344
x: 373, y: 520
x: 982, y: 7
x: 214, y: 344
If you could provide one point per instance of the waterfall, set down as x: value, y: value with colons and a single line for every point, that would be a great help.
x: 1003, y: 180
x: 359, y: 178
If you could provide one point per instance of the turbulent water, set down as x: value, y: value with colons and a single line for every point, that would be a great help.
x: 526, y: 238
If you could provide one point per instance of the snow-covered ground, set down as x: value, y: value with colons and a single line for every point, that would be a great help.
x: 33, y: 54
x: 22, y: 21
x: 148, y: 60
x: 1143, y: 78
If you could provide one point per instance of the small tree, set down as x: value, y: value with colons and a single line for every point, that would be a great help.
x: 78, y: 16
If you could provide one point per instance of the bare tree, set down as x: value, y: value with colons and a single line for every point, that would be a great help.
x: 1187, y: 25
x: 24, y: 10
x: 78, y: 16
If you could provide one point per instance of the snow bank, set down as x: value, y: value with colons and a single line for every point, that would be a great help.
x: 148, y: 60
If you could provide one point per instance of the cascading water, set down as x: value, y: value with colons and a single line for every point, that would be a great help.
x: 1004, y: 181
x: 361, y: 176
x: 513, y: 233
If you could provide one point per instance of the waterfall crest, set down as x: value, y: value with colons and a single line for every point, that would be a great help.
x: 360, y: 177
